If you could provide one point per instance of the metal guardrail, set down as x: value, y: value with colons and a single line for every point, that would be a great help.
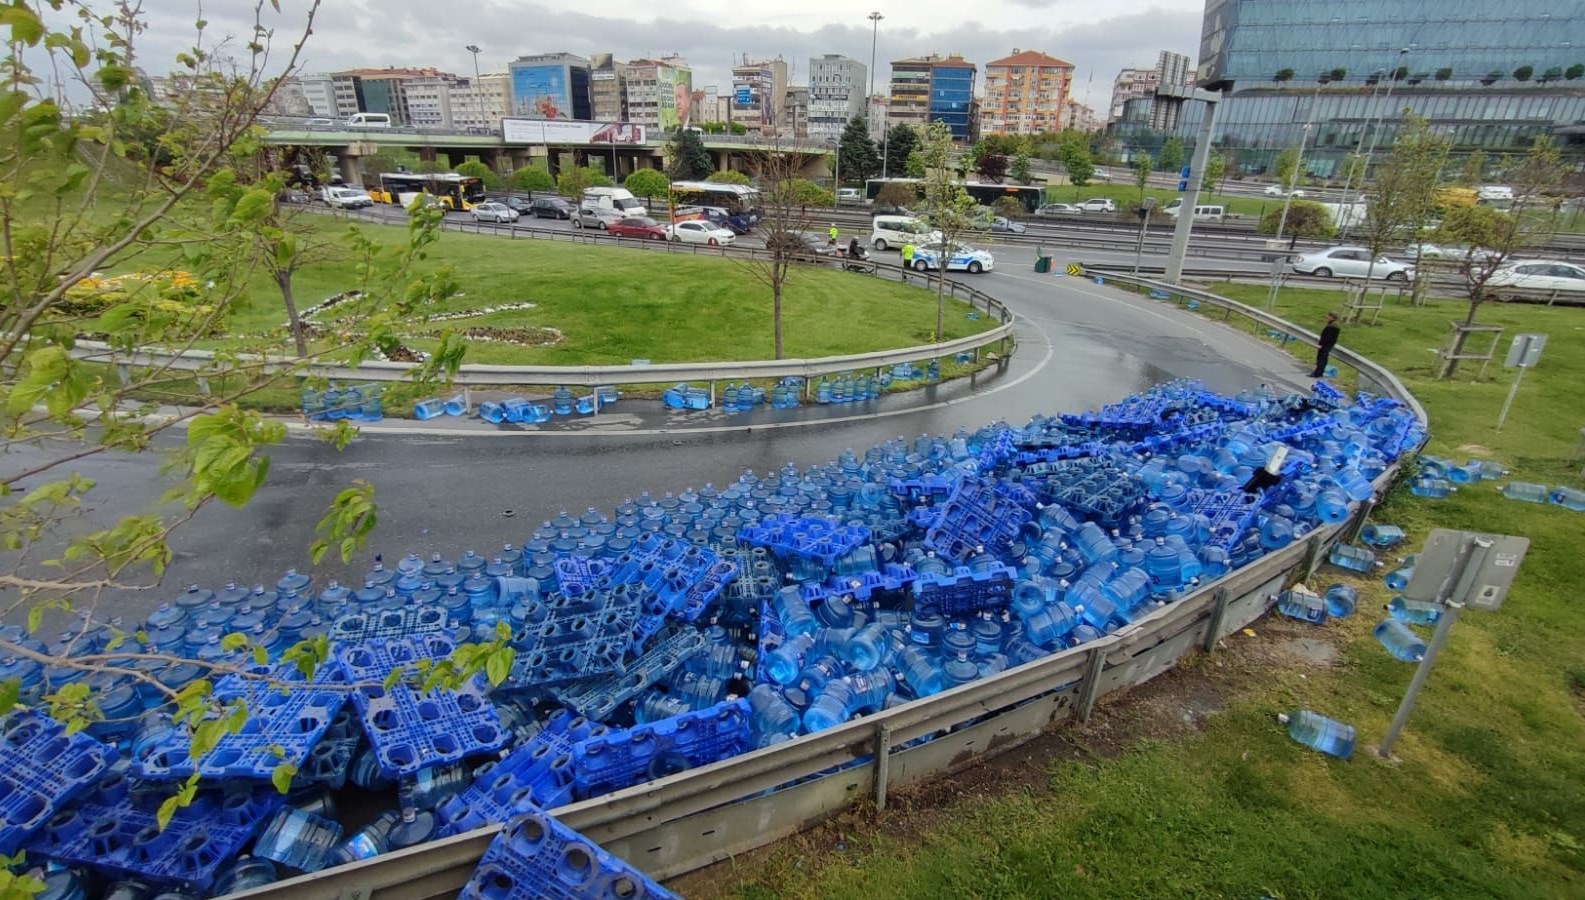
x: 480, y: 375
x: 691, y: 819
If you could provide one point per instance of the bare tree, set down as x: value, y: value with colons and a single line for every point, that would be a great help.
x: 1490, y: 237
x: 1404, y: 189
x: 951, y: 208
x: 786, y: 216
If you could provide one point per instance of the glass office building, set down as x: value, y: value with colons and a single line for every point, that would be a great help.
x: 1491, y: 75
x: 952, y: 97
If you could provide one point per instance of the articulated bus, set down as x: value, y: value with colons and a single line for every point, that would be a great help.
x: 1028, y: 196
x: 456, y: 191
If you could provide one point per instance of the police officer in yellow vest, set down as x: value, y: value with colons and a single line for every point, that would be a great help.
x: 832, y: 234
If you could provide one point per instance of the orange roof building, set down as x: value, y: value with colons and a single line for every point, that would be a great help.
x: 1025, y: 93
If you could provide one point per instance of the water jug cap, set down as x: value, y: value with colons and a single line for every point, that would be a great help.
x: 1283, y: 718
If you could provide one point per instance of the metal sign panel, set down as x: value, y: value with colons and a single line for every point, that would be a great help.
x: 1525, y: 351
x: 1493, y: 562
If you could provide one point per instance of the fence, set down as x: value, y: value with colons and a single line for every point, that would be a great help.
x: 694, y: 818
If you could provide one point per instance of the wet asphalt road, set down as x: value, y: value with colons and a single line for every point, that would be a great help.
x: 1079, y: 345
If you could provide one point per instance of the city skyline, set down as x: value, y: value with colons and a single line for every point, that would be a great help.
x: 1130, y: 34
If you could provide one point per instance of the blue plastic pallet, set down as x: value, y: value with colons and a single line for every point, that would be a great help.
x: 408, y: 621
x: 569, y: 639
x: 41, y: 769
x: 1229, y: 513
x: 537, y: 775
x: 620, y: 759
x: 327, y: 763
x: 125, y: 838
x: 579, y: 573
x: 410, y: 730
x: 599, y: 699
x: 978, y: 517
x: 538, y: 858
x: 809, y: 537
x: 964, y: 592
x: 287, y: 716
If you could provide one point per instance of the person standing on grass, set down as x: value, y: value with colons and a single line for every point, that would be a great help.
x: 1329, y: 336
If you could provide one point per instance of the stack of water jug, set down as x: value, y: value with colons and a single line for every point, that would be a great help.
x: 672, y: 632
x: 358, y: 402
x: 518, y: 410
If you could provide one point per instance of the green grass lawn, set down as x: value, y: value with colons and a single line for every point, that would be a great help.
x: 612, y: 305
x: 1487, y: 801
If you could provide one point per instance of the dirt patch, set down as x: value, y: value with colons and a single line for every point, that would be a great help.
x: 531, y: 336
x: 1477, y: 450
x: 1177, y: 702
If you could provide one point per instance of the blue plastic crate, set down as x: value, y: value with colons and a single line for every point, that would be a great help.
x: 327, y: 763
x: 412, y: 730
x: 931, y: 486
x: 1327, y: 395
x: 41, y: 769
x: 287, y: 715
x: 619, y: 759
x: 1228, y: 513
x: 980, y: 515
x: 375, y: 625
x: 536, y: 775
x: 125, y: 838
x: 598, y: 699
x: 537, y: 858
x: 809, y: 537
x: 579, y: 574
x: 963, y: 592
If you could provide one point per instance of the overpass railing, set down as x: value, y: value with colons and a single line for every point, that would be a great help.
x: 688, y: 820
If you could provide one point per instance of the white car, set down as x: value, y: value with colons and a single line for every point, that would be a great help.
x: 960, y: 259
x: 1053, y: 210
x: 342, y: 197
x: 491, y: 211
x: 1099, y: 204
x: 1275, y: 190
x: 850, y: 196
x: 1349, y: 262
x: 1454, y: 252
x: 1540, y: 275
x: 700, y: 232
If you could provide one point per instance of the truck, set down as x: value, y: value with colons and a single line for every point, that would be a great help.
x: 614, y: 199
x: 1347, y: 215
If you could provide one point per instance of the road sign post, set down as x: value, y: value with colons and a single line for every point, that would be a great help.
x: 1145, y: 209
x: 1458, y: 570
x: 1183, y: 178
x: 1523, y: 353
x: 1191, y: 195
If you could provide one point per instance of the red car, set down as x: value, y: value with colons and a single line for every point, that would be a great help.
x: 638, y: 227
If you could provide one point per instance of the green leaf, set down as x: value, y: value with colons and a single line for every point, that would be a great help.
x: 261, y: 656
x: 10, y: 692
x: 25, y: 26
x: 281, y: 776
x: 499, y: 665
x: 393, y: 677
x: 233, y: 641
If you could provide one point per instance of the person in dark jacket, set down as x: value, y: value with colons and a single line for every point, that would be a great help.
x: 1329, y: 336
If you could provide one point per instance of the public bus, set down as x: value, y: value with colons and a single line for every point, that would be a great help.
x: 456, y: 191
x: 1028, y: 196
x: 734, y: 206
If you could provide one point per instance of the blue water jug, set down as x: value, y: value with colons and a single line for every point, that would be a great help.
x: 833, y: 706
x: 1354, y: 559
x: 867, y: 647
x: 1297, y: 603
x: 653, y: 707
x: 1400, y: 640
x: 1399, y: 578
x: 299, y: 840
x: 921, y: 670
x: 561, y: 401
x: 243, y: 873
x: 1415, y: 612
x: 1320, y: 733
x: 771, y: 718
x: 1432, y: 488
x: 368, y: 841
x: 1382, y: 537
x: 456, y: 404
x: 1340, y: 600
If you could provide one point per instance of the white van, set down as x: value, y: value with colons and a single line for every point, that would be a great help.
x: 1206, y: 212
x: 887, y: 232
x: 1494, y: 193
x: 615, y: 199
x: 369, y: 120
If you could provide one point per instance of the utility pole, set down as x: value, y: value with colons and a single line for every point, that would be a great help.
x: 875, y: 30
x: 478, y: 89
x: 1370, y: 152
x: 1191, y: 193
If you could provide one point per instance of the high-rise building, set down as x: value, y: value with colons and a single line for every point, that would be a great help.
x: 1078, y: 117
x: 479, y: 104
x: 320, y: 92
x: 836, y: 94
x: 759, y: 89
x: 1175, y: 85
x: 878, y: 117
x: 934, y: 89
x: 659, y: 92
x: 1131, y: 83
x: 795, y: 112
x: 1025, y: 93
x: 607, y: 88
x: 1489, y: 76
x: 289, y: 99
x: 551, y: 86
x: 378, y: 91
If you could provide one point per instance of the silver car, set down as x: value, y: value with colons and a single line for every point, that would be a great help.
x: 1349, y: 262
x: 595, y: 217
x: 492, y: 211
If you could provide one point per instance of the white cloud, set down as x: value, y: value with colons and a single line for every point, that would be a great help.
x: 1098, y: 38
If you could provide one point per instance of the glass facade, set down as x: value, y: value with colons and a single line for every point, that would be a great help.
x: 1490, y: 75
x: 952, y: 98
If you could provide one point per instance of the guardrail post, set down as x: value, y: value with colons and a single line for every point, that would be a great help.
x: 467, y: 399
x: 123, y: 373
x: 1312, y: 556
x: 596, y: 389
x: 1357, y: 524
x: 203, y: 385
x: 1090, y: 683
x: 883, y: 764
x: 1213, y: 628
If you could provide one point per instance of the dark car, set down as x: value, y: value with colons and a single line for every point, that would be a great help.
x: 551, y: 208
x: 519, y: 205
x: 638, y: 227
x: 800, y: 245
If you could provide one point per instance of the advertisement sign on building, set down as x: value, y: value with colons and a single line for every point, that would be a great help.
x: 547, y: 131
x: 674, y: 97
x: 745, y: 96
x: 541, y: 91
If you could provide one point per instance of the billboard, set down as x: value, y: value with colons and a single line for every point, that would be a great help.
x: 673, y: 97
x: 551, y: 131
x: 541, y: 91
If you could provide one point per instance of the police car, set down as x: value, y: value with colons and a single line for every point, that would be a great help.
x: 960, y: 259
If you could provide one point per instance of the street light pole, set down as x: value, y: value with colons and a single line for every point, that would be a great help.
x: 1298, y: 163
x: 875, y: 31
x: 478, y: 96
x: 1370, y: 152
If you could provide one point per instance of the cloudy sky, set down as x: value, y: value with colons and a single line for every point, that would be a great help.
x: 1097, y: 38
